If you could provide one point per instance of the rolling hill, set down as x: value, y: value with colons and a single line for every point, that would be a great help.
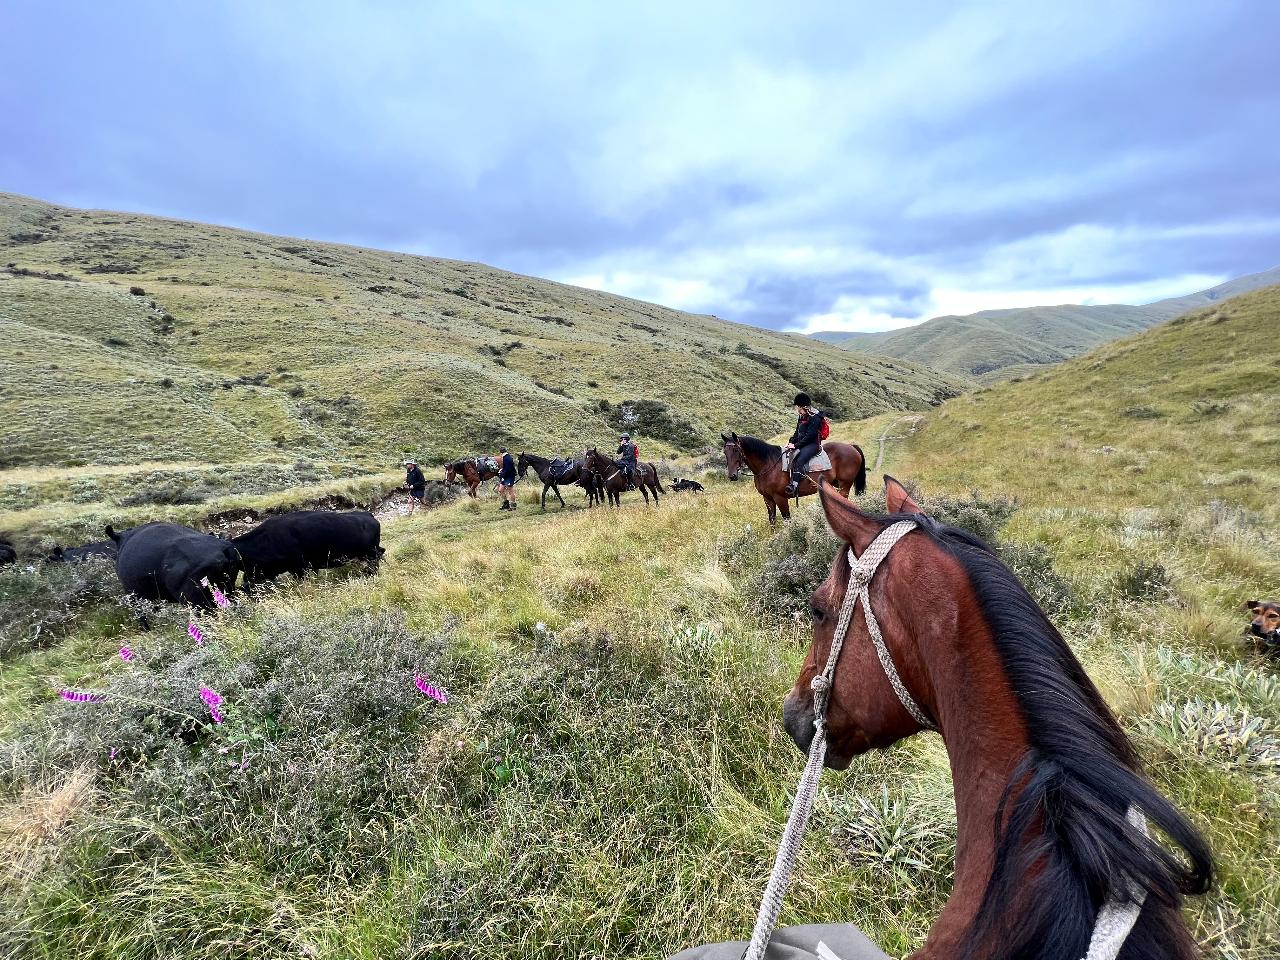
x: 998, y: 344
x: 128, y: 338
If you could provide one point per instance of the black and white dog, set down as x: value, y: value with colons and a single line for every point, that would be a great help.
x: 694, y: 485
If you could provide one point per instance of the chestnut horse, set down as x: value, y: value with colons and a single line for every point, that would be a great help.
x: 615, y: 481
x: 1044, y: 776
x: 848, y: 470
x: 474, y: 471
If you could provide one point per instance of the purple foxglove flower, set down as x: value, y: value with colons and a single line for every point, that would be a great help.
x: 195, y: 633
x: 426, y: 689
x: 75, y: 696
x: 126, y: 654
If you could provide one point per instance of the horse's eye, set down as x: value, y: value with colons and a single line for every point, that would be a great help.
x: 818, y: 614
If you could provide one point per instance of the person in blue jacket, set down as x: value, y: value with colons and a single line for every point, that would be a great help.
x: 506, y: 479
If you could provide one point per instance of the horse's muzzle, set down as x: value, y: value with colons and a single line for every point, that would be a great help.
x: 797, y: 719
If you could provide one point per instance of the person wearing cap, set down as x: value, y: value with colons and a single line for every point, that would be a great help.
x: 806, y: 441
x: 416, y: 482
x: 628, y: 458
x: 506, y: 479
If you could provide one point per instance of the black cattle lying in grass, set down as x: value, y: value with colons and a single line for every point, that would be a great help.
x: 309, y: 540
x: 167, y: 561
x: 678, y: 484
x: 7, y: 553
x: 99, y: 548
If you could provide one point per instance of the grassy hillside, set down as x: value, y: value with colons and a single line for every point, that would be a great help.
x: 610, y: 775
x: 238, y: 347
x: 997, y: 344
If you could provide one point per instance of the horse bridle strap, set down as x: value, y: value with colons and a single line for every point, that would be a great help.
x: 861, y: 571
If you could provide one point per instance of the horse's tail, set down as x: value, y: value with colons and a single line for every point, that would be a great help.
x: 657, y: 479
x: 860, y: 478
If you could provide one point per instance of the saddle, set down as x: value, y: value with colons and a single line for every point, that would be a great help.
x: 557, y: 467
x: 818, y: 462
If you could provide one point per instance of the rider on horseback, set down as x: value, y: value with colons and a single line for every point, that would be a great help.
x: 806, y: 441
x: 628, y: 458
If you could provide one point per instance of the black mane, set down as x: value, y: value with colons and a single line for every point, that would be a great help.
x: 760, y: 448
x: 1066, y: 845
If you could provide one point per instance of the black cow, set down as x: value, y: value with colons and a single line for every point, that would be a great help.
x: 99, y: 548
x: 7, y: 553
x: 167, y: 561
x: 309, y: 540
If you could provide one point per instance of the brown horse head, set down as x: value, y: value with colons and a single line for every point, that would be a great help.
x: 1045, y: 779
x: 734, y: 461
x: 450, y: 472
x: 865, y: 712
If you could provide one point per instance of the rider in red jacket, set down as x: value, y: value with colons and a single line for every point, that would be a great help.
x: 806, y: 441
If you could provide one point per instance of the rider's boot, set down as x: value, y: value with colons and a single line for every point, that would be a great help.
x: 505, y: 505
x: 794, y: 486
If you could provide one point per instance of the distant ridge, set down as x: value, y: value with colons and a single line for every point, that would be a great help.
x: 127, y: 339
x: 995, y: 344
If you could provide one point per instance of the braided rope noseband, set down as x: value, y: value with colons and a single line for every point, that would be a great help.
x: 1117, y: 916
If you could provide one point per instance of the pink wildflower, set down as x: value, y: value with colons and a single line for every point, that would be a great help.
x: 212, y: 701
x: 428, y: 690
x: 219, y: 597
x: 195, y: 633
x: 126, y: 654
x: 75, y: 696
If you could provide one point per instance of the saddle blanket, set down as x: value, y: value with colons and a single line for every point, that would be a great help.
x: 820, y: 461
x: 819, y: 941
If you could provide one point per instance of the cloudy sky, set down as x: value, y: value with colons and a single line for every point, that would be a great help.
x: 797, y: 166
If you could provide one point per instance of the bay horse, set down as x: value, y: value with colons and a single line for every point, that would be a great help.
x: 473, y: 470
x: 1046, y: 782
x: 615, y: 480
x: 848, y: 470
x: 574, y: 472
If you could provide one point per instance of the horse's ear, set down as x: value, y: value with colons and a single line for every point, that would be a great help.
x: 735, y: 436
x: 724, y: 438
x: 848, y: 522
x: 897, y: 499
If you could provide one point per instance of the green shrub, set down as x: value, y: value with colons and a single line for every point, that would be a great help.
x: 1143, y: 581
x: 40, y: 604
x: 652, y: 418
x: 313, y: 769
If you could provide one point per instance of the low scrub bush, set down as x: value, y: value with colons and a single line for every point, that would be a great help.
x: 1145, y: 580
x: 652, y: 418
x: 311, y: 769
x: 39, y: 604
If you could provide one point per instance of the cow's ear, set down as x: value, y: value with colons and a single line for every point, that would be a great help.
x: 897, y: 499
x: 112, y: 534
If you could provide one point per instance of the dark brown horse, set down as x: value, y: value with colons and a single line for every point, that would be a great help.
x: 573, y: 472
x: 1044, y: 776
x: 473, y: 471
x: 848, y: 470
x: 615, y: 480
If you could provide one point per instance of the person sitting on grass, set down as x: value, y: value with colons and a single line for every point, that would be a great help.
x: 417, y: 484
x: 506, y: 479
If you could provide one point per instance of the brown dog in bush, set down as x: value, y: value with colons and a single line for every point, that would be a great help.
x: 1264, y: 629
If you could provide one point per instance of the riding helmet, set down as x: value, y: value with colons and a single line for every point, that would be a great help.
x: 802, y: 400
